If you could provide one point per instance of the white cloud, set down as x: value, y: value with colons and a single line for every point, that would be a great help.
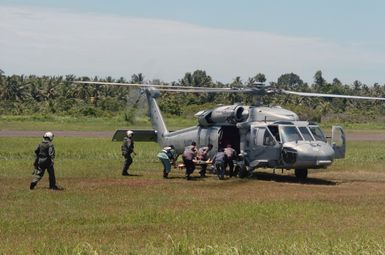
x: 53, y: 42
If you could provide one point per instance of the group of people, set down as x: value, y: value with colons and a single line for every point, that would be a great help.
x: 222, y: 158
x: 45, y: 155
x: 191, y: 157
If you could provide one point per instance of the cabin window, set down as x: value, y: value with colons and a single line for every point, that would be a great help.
x: 255, y: 134
x: 268, y: 139
x: 290, y: 134
x: 318, y: 134
x: 305, y: 133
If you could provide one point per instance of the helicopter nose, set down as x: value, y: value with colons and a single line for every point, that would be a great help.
x: 314, y: 155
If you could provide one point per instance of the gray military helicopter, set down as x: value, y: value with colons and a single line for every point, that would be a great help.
x: 264, y: 137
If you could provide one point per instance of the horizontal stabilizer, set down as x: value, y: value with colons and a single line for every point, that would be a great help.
x: 139, y: 135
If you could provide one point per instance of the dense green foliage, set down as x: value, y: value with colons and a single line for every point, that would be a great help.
x: 26, y: 95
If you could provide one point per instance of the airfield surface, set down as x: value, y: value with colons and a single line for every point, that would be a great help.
x: 339, y: 210
x: 354, y: 136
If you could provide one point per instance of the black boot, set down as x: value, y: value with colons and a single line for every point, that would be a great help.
x: 125, y: 173
x: 32, y: 186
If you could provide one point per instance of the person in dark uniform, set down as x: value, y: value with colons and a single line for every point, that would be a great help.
x: 219, y: 163
x: 127, y: 150
x: 45, y: 155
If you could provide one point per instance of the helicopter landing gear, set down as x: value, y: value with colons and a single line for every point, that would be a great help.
x: 301, y: 173
x: 242, y: 171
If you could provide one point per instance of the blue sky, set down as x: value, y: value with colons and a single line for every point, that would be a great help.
x: 165, y: 39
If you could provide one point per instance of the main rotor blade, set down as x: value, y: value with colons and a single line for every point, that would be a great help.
x: 206, y: 90
x: 146, y: 85
x: 306, y: 94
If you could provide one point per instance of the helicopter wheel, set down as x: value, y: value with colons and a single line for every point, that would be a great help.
x: 242, y: 172
x: 301, y: 173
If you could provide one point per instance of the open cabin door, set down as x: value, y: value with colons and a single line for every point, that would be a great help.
x: 338, y: 142
x: 229, y: 135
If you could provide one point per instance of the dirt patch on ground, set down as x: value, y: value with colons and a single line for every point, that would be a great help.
x: 366, y: 136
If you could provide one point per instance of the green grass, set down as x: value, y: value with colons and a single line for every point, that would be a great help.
x: 100, y: 212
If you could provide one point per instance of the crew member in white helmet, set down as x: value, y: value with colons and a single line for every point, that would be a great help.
x: 127, y: 150
x: 45, y: 155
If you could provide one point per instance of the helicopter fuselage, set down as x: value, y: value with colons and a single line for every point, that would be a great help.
x: 270, y: 137
x: 260, y: 139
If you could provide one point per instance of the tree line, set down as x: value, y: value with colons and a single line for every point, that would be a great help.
x: 31, y: 94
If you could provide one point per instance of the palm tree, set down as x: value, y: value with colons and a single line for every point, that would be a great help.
x: 14, y: 89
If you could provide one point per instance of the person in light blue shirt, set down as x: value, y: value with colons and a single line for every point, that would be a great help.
x: 168, y: 157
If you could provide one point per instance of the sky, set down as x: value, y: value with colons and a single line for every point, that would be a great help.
x: 165, y: 39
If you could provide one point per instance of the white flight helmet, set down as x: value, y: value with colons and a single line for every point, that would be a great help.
x: 48, y: 135
x: 130, y: 133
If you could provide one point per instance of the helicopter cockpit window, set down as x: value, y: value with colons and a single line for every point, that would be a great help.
x: 305, y: 133
x: 317, y: 133
x: 290, y: 134
x: 268, y: 139
x: 275, y: 132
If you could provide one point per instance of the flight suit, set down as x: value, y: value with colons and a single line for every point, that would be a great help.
x: 127, y: 150
x: 45, y: 154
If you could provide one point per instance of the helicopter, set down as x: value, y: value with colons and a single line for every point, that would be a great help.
x: 262, y: 136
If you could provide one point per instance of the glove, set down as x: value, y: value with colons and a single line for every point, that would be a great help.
x: 35, y: 164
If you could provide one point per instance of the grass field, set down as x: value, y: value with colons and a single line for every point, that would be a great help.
x: 337, y: 211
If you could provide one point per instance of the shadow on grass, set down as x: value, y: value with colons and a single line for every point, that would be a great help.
x: 192, y: 178
x: 132, y: 175
x: 289, y: 179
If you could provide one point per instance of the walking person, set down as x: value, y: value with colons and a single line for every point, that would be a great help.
x: 168, y: 157
x: 127, y: 150
x: 45, y: 155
